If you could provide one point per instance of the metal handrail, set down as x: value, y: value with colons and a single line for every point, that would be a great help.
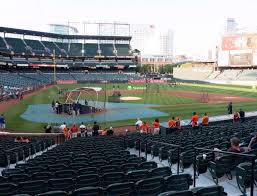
x: 252, y: 156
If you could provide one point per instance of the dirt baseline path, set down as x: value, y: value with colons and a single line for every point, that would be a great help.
x: 211, y: 98
x: 5, y: 105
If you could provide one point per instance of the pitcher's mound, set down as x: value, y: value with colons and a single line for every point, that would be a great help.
x: 130, y: 98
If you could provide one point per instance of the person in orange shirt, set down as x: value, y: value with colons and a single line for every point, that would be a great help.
x: 144, y: 128
x: 194, y: 120
x: 205, y: 120
x: 67, y: 133
x: 104, y: 132
x: 156, y: 127
x: 172, y: 123
x: 74, y: 130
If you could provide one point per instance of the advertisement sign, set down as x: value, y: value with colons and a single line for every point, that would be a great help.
x: 241, y: 59
x: 66, y: 81
x: 146, y: 81
x: 250, y: 41
x: 232, y: 43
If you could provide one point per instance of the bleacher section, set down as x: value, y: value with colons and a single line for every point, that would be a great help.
x: 248, y: 75
x: 25, y: 47
x: 95, y: 166
x: 107, y: 49
x: 19, y: 151
x: 36, y: 47
x: 3, y: 46
x: 75, y: 49
x: 52, y: 47
x: 206, y: 74
x: 192, y: 73
x: 16, y: 80
x: 40, y: 48
x: 33, y: 79
x: 123, y: 49
x: 91, y: 49
x: 17, y: 46
x: 228, y: 75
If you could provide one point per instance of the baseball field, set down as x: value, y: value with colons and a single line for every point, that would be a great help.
x: 173, y: 100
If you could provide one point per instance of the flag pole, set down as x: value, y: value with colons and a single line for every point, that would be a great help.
x: 54, y: 66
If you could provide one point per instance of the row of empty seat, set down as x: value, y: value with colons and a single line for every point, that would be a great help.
x: 33, y: 79
x: 46, y: 48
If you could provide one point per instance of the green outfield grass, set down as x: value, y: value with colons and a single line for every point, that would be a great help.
x: 174, y: 106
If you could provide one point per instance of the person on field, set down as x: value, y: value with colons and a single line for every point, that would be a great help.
x: 144, y: 128
x: 2, y: 122
x: 156, y: 127
x: 242, y: 115
x: 205, y: 120
x: 230, y: 108
x: 194, y: 120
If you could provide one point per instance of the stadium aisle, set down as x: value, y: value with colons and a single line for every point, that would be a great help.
x: 186, y: 122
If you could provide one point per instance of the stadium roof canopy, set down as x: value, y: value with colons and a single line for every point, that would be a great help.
x: 59, y: 36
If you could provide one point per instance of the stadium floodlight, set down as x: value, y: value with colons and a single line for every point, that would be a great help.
x: 115, y: 52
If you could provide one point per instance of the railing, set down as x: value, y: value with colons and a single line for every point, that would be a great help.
x: 253, y: 157
x: 161, y: 143
x: 21, y: 149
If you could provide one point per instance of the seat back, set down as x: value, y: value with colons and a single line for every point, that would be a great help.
x: 64, y: 174
x: 32, y: 187
x: 148, y: 165
x: 53, y: 193
x: 88, y: 191
x: 8, y: 189
x: 62, y: 184
x: 108, y: 169
x: 41, y: 176
x: 179, y: 182
x: 87, y: 180
x: 113, y: 177
x: 211, y: 191
x: 87, y: 170
x: 160, y: 172
x: 150, y: 186
x: 129, y: 167
x: 16, y: 178
x: 134, y: 176
x: 121, y: 189
x: 177, y: 193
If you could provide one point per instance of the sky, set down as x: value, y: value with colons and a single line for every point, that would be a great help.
x: 197, y: 24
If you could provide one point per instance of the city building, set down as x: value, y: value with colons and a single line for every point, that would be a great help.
x: 166, y: 43
x: 232, y: 25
